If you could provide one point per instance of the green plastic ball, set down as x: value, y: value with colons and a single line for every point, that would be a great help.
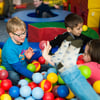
x: 28, y: 80
x: 85, y: 71
x: 3, y: 67
x: 31, y: 67
x: 60, y: 80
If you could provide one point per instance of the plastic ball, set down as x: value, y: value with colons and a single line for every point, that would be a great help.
x: 54, y: 90
x: 42, y: 44
x: 60, y: 80
x: 5, y: 97
x: 41, y: 60
x: 70, y: 95
x: 30, y: 98
x: 96, y: 86
x: 44, y: 73
x: 37, y: 93
x: 2, y: 91
x: 25, y: 91
x: 37, y: 65
x: 48, y: 96
x: 62, y: 91
x: 85, y: 71
x: 19, y: 98
x: 6, y: 84
x: 37, y: 77
x: 52, y: 77
x: 59, y: 98
x: 23, y: 82
x: 46, y: 85
x: 28, y: 80
x: 3, y: 74
x: 32, y: 85
x: 3, y: 67
x: 14, y: 91
x: 80, y: 62
x: 31, y: 67
x: 0, y: 52
x: 85, y: 28
x: 52, y: 70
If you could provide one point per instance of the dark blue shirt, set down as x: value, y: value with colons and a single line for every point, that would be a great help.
x: 43, y: 8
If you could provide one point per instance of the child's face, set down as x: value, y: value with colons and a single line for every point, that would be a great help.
x: 19, y: 36
x: 77, y: 30
x: 86, y: 56
x: 37, y: 3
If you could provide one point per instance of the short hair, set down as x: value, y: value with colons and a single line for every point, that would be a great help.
x: 72, y: 20
x: 94, y: 50
x: 15, y: 24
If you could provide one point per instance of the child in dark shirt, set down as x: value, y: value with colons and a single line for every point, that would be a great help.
x: 73, y: 24
x: 42, y: 10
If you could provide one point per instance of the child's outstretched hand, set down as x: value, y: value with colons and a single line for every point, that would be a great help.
x: 45, y: 53
x: 46, y: 49
x: 29, y: 53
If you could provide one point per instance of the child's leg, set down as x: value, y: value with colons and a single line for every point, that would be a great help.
x: 57, y: 57
x: 14, y: 77
x: 78, y: 84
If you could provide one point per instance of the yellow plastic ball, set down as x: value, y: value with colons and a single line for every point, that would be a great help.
x: 70, y: 95
x: 5, y: 97
x: 52, y: 77
x: 0, y: 52
x: 96, y: 86
x: 85, y: 28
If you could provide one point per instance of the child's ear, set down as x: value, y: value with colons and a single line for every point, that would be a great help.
x: 10, y: 34
x: 68, y: 29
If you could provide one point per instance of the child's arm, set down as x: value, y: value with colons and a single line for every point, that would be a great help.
x: 45, y: 53
x: 18, y: 67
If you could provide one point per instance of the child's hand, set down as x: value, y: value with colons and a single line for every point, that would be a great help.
x: 46, y: 49
x: 29, y: 53
x: 56, y: 6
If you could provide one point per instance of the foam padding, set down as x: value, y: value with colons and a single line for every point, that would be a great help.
x: 45, y: 31
x: 23, y: 15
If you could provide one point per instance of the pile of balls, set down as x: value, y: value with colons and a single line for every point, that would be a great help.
x: 46, y: 85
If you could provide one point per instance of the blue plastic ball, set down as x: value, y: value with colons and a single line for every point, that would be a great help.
x: 37, y: 77
x: 14, y: 91
x: 23, y: 82
x: 52, y: 70
x: 37, y: 93
x: 44, y: 73
x: 62, y: 91
x: 25, y: 91
x: 30, y: 98
x: 19, y: 98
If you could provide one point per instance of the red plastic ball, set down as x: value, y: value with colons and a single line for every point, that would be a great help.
x: 37, y: 65
x: 3, y: 74
x: 42, y: 44
x: 46, y: 85
x: 54, y: 90
x: 2, y: 91
x: 6, y: 84
x: 59, y: 98
x: 41, y: 60
x: 80, y: 57
x: 32, y: 85
x: 80, y: 62
x: 48, y: 96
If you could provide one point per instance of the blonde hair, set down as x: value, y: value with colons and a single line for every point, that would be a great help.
x: 15, y: 24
